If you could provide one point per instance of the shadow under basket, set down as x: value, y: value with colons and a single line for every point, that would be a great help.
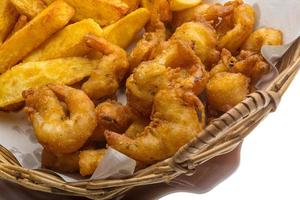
x: 220, y: 137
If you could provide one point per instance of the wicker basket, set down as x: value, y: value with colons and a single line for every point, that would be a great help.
x: 222, y: 136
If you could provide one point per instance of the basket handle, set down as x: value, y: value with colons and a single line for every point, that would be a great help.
x: 255, y: 102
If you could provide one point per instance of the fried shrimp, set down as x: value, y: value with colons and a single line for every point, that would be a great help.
x: 113, y: 116
x: 177, y: 117
x: 204, y: 39
x: 67, y: 163
x: 177, y: 66
x: 104, y: 81
x: 89, y: 160
x: 206, y: 12
x: 54, y: 129
x: 243, y: 24
x: 249, y: 63
x: 263, y: 36
x: 225, y: 90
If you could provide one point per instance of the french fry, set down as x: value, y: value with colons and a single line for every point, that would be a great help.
x: 8, y: 18
x: 177, y: 5
x: 104, y: 12
x: 30, y: 8
x: 65, y: 43
x: 124, y: 31
x: 49, y: 21
x: 22, y: 21
x: 132, y: 4
x: 34, y: 74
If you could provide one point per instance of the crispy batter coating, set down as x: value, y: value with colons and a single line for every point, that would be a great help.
x: 104, y: 81
x: 113, y: 116
x: 243, y: 24
x: 67, y: 163
x: 54, y: 129
x: 225, y: 90
x: 89, y: 160
x: 177, y: 66
x: 176, y: 118
x: 204, y: 39
x: 248, y: 63
x: 263, y: 36
x: 207, y: 12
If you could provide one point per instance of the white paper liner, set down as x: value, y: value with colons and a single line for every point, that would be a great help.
x: 16, y: 133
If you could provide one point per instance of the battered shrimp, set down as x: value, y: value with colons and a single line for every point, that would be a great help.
x: 243, y: 20
x: 252, y: 65
x: 89, y: 160
x: 113, y: 116
x: 204, y: 39
x: 60, y: 129
x: 67, y: 163
x: 177, y: 66
x: 177, y: 117
x: 206, y: 12
x: 225, y: 90
x: 263, y: 36
x: 104, y: 81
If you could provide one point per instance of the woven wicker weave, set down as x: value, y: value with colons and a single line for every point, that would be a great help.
x: 222, y: 136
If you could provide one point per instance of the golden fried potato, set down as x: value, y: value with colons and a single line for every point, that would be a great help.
x: 89, y: 160
x: 29, y: 8
x: 60, y: 129
x: 34, y: 33
x: 243, y: 24
x: 104, y: 12
x: 225, y: 90
x: 8, y: 18
x: 263, y: 36
x: 68, y: 163
x: 174, y: 122
x: 125, y: 30
x: 132, y: 4
x: 178, y: 5
x: 35, y: 74
x: 113, y: 116
x: 69, y: 42
x: 22, y: 21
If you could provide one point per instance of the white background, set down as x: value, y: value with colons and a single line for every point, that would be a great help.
x: 269, y: 168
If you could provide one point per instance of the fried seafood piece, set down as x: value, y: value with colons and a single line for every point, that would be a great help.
x: 104, y: 81
x: 67, y: 163
x: 177, y: 117
x: 177, y: 66
x: 206, y: 12
x: 113, y: 116
x: 136, y: 128
x: 60, y: 129
x: 243, y: 23
x: 249, y: 63
x: 225, y: 90
x: 89, y: 160
x: 263, y: 36
x: 204, y: 40
x: 155, y: 34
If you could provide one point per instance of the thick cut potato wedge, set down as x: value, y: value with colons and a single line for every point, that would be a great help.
x: 22, y: 21
x: 49, y: 21
x: 124, y: 31
x: 35, y: 74
x: 132, y: 4
x: 104, y: 12
x: 8, y: 18
x: 68, y: 42
x: 177, y: 5
x: 30, y: 8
